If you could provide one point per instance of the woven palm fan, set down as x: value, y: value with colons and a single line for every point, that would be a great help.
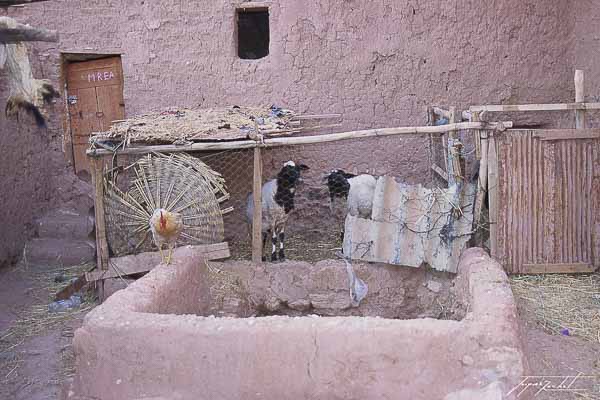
x: 176, y: 182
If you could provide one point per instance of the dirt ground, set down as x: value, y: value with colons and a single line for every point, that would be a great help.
x: 553, y: 357
x: 35, y: 346
x: 36, y: 355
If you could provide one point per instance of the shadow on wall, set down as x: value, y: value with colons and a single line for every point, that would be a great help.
x: 25, y: 187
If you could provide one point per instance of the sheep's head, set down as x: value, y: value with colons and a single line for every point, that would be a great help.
x: 290, y: 175
x: 337, y: 183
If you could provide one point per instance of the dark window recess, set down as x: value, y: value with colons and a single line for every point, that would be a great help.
x: 253, y: 33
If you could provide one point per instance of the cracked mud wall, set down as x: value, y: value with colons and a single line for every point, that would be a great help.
x: 34, y: 176
x: 24, y: 186
x: 378, y: 63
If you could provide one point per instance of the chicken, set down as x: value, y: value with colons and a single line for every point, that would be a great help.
x: 166, y: 226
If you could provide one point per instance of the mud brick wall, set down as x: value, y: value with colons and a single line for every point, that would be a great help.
x: 24, y: 181
x: 378, y: 63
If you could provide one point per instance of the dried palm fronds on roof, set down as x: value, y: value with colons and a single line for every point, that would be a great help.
x: 177, y: 182
x: 192, y: 125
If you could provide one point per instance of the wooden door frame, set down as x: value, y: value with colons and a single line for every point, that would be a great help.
x: 67, y: 58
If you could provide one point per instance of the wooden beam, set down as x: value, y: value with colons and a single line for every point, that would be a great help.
x: 452, y: 120
x: 25, y: 33
x: 566, y: 134
x: 9, y: 3
x: 430, y: 116
x: 536, y: 107
x: 96, y: 165
x: 579, y: 98
x: 476, y: 135
x: 451, y: 163
x: 440, y: 172
x: 288, y: 141
x: 253, y: 5
x: 493, y: 194
x: 144, y: 262
x: 482, y: 182
x: 574, y: 268
x: 257, y: 245
x: 317, y: 116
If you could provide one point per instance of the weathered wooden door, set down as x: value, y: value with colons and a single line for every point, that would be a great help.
x: 95, y: 98
x: 548, y: 202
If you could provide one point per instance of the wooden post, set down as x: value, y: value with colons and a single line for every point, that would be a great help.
x: 493, y: 193
x: 257, y: 245
x: 475, y: 117
x: 456, y: 164
x: 482, y: 182
x: 452, y: 120
x: 451, y: 162
x: 97, y: 166
x: 579, y: 98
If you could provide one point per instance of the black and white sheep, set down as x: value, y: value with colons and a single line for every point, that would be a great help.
x: 277, y: 202
x: 358, y: 190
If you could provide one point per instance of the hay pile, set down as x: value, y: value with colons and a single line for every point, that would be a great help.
x: 562, y: 304
x: 36, y: 320
x: 180, y: 126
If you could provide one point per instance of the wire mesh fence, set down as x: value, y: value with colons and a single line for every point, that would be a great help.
x: 314, y: 225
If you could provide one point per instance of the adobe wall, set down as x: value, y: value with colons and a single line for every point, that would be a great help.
x: 378, y: 63
x: 586, y: 44
x: 24, y: 181
x: 30, y: 166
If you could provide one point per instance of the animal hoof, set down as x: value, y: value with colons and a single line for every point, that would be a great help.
x: 274, y: 258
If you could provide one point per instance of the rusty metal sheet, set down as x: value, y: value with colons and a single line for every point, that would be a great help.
x: 411, y: 225
x: 547, y: 201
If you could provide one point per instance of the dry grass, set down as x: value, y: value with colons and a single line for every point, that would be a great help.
x: 36, y: 320
x: 560, y: 302
x: 308, y: 246
x: 175, y: 124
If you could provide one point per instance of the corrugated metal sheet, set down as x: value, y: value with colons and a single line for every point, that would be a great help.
x: 547, y: 200
x: 411, y: 225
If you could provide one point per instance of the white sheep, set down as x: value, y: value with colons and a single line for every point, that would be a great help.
x: 358, y: 190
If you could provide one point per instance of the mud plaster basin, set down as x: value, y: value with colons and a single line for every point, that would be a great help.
x: 157, y: 339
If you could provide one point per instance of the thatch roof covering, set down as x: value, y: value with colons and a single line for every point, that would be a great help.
x: 196, y: 125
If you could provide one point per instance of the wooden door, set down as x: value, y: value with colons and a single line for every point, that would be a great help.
x: 95, y: 98
x: 549, y: 192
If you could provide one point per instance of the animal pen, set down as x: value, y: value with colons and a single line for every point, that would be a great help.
x: 314, y: 226
x: 241, y: 313
x: 473, y: 163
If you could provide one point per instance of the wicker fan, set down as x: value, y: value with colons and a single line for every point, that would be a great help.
x: 178, y: 183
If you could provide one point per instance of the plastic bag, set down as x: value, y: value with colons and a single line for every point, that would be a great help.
x: 358, y: 288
